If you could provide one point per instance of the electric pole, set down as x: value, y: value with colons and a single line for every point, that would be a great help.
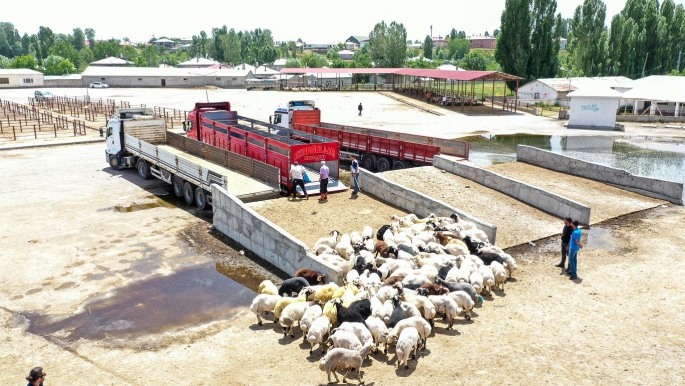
x: 645, y: 65
x: 678, y: 65
x: 431, y: 32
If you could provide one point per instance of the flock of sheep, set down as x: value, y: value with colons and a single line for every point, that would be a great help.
x: 394, y: 286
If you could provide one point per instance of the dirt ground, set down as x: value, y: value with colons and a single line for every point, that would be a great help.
x: 484, y: 203
x: 75, y: 234
x: 606, y: 201
x: 311, y: 219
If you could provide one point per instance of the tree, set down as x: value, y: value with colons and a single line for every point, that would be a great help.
x: 139, y: 61
x: 79, y: 39
x: 151, y: 55
x: 312, y: 60
x: 361, y: 59
x: 67, y: 51
x: 292, y: 63
x: 495, y: 33
x: 458, y: 48
x: 651, y: 58
x: 387, y: 46
x: 487, y: 33
x: 57, y: 65
x: 588, y: 30
x: 5, y: 62
x: 267, y: 55
x: 24, y: 61
x: 86, y: 56
x: 453, y: 34
x: 231, y: 48
x: 513, y: 46
x: 543, y: 61
x: 106, y: 49
x: 428, y: 47
x: 47, y: 39
x: 474, y: 61
x: 90, y: 35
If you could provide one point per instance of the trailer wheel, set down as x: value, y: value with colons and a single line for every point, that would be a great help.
x: 397, y: 165
x: 383, y: 165
x: 144, y: 170
x: 188, y: 193
x: 178, y: 186
x: 201, y: 199
x: 369, y: 161
x: 113, y: 161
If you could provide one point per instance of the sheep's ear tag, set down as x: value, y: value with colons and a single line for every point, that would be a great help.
x: 480, y: 298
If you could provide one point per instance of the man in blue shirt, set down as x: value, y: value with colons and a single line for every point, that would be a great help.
x: 354, y: 171
x: 573, y: 247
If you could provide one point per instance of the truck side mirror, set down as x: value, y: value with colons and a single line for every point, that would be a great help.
x: 270, y: 118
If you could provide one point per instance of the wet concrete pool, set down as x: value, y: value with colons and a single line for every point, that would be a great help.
x: 646, y: 156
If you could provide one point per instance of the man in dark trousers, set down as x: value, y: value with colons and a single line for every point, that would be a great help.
x: 565, y: 238
x: 574, y: 247
x: 297, y: 174
x: 360, y: 108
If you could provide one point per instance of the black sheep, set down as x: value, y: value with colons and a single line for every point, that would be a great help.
x: 348, y: 315
x: 398, y: 313
x: 381, y: 231
x: 466, y: 287
x: 442, y: 273
x: 362, y: 306
x: 488, y: 258
x: 472, y: 245
x: 411, y: 286
x: 407, y: 248
x: 292, y: 285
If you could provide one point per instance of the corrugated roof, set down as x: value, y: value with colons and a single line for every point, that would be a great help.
x: 660, y: 88
x: 111, y: 60
x: 571, y: 84
x: 156, y: 71
x: 599, y: 91
x: 197, y: 62
x: 18, y: 71
x: 68, y: 76
x: 437, y: 74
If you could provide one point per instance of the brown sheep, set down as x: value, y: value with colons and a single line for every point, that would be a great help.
x: 442, y: 238
x: 384, y: 250
x: 312, y: 277
x: 392, y: 280
x: 435, y: 289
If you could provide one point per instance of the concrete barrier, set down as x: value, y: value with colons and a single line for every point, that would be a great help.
x: 651, y: 187
x: 531, y: 195
x: 264, y: 238
x: 415, y: 202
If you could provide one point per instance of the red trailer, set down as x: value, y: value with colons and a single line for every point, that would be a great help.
x: 378, y: 149
x: 216, y: 124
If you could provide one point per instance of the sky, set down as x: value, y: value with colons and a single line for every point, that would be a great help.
x: 321, y: 21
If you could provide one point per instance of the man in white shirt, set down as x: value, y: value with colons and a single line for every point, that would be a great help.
x: 297, y: 175
x: 354, y: 171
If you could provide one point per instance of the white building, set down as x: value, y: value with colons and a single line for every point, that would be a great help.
x: 166, y: 77
x: 20, y: 77
x: 112, y: 62
x: 328, y: 79
x: 197, y: 62
x: 656, y: 95
x: 594, y: 107
x: 554, y: 90
x: 279, y: 63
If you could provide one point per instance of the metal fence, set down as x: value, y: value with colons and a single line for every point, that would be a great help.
x: 19, y: 121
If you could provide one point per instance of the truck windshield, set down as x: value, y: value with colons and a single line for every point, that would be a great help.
x: 109, y: 132
x: 277, y: 119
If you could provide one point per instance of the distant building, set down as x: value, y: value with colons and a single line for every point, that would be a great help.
x: 20, y: 77
x: 279, y: 63
x: 112, y: 62
x: 318, y: 48
x: 166, y: 43
x: 328, y: 79
x: 357, y: 41
x: 656, y: 95
x: 185, y: 41
x: 346, y: 54
x: 449, y: 67
x: 562, y: 44
x: 554, y: 90
x: 483, y: 42
x: 197, y: 63
x: 439, y: 41
x: 165, y: 77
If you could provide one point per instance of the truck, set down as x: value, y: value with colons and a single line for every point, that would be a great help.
x: 216, y: 124
x: 43, y: 95
x: 377, y: 150
x: 137, y: 139
x: 261, y: 84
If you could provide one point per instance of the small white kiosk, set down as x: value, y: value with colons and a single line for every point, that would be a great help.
x: 594, y: 107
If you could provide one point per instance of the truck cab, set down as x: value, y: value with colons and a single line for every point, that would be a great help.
x: 115, y: 152
x: 283, y: 116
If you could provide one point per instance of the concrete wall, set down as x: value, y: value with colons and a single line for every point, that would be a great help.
x: 545, y: 93
x: 18, y: 80
x: 593, y: 112
x: 63, y: 82
x: 531, y: 195
x: 648, y: 118
x: 171, y: 81
x: 415, y: 202
x: 264, y: 238
x: 651, y: 187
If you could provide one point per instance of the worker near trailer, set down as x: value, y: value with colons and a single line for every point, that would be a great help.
x: 428, y: 97
x: 323, y: 181
x: 354, y: 171
x: 297, y: 175
x: 360, y: 108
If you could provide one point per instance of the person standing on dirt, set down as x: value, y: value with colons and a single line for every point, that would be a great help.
x: 360, y: 108
x: 36, y: 377
x: 444, y: 100
x: 354, y: 172
x: 565, y: 238
x: 297, y: 174
x: 573, y: 249
x: 323, y: 181
x: 428, y: 97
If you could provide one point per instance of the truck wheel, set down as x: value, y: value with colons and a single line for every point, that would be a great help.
x: 383, y: 165
x: 397, y: 165
x: 178, y: 186
x: 188, y: 193
x: 144, y: 170
x: 201, y: 199
x: 369, y: 161
x: 113, y: 161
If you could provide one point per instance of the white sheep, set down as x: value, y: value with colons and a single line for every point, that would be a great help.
x: 500, y: 274
x: 388, y: 236
x: 420, y: 324
x: 476, y: 280
x: 356, y: 239
x: 358, y: 329
x: 367, y: 233
x: 464, y: 301
x: 488, y: 277
x: 264, y: 303
x: 370, y: 245
x: 379, y: 331
x: 344, y: 339
x: 292, y: 314
x: 344, y: 247
x: 407, y: 343
x: 344, y: 359
x: 308, y: 318
x: 510, y: 263
x: 444, y: 304
x: 351, y: 276
x: 268, y: 287
x: 415, y: 280
x: 319, y: 328
x: 324, y: 250
x: 329, y: 241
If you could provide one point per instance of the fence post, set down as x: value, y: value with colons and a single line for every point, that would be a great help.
x: 54, y: 127
x: 14, y: 133
x: 35, y: 136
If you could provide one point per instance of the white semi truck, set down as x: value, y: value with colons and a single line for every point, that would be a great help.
x: 136, y: 138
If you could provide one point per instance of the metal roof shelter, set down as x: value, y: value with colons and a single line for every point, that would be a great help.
x: 431, y: 83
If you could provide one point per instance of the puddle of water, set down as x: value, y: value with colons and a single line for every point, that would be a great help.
x: 641, y: 155
x: 190, y: 296
x: 134, y: 207
x: 599, y: 239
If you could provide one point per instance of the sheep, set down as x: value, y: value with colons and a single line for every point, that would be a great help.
x: 384, y: 250
x: 267, y: 287
x: 386, y: 292
x: 344, y: 339
x: 488, y: 277
x: 284, y: 302
x: 356, y: 239
x: 464, y: 301
x: 344, y: 265
x: 324, y: 249
x: 457, y: 249
x: 292, y: 314
x: 414, y: 281
x: 263, y: 303
x: 312, y: 277
x: 472, y: 244
x: 346, y: 315
x: 348, y: 286
x: 328, y: 241
x: 325, y: 292
x: 319, y: 328
x: 418, y: 323
x: 344, y: 247
x: 447, y: 306
x: 362, y: 306
x: 510, y: 263
x: 428, y: 271
x: 488, y: 258
x: 403, y: 310
x: 500, y: 274
x: 425, y: 307
x: 351, y: 276
x: 367, y: 233
x: 435, y: 289
x: 330, y: 312
x: 379, y: 331
x: 292, y: 285
x: 476, y: 280
x: 369, y: 245
x: 388, y: 236
x: 341, y: 359
x: 408, y: 342
x: 359, y: 329
x: 308, y: 318
x: 408, y: 248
